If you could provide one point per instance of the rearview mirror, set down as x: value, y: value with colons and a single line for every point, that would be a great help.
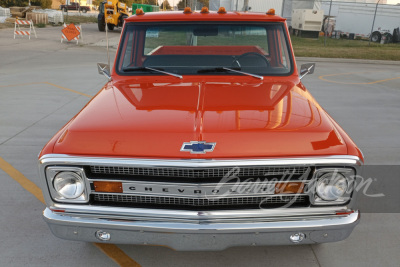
x: 306, y: 69
x: 104, y: 69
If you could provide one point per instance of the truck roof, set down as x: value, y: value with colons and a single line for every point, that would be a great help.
x: 211, y: 16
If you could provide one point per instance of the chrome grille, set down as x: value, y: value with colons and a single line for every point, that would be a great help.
x: 199, y: 172
x: 130, y: 199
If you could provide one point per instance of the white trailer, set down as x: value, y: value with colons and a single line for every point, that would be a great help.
x: 253, y: 5
x: 282, y: 7
x: 357, y: 18
x: 307, y: 21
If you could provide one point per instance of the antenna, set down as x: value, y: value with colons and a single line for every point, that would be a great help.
x: 104, y: 69
x: 108, y: 49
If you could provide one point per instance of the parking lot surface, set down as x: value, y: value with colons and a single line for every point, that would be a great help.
x: 43, y: 83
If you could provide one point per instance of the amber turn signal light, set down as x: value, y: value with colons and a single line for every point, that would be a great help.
x: 187, y: 10
x: 348, y: 212
x: 56, y: 210
x: 204, y: 10
x: 222, y: 10
x: 139, y: 11
x: 271, y: 11
x: 108, y: 187
x: 289, y: 188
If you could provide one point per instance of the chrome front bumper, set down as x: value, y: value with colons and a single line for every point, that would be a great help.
x: 202, y: 236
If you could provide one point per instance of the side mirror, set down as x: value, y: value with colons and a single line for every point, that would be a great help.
x: 306, y: 69
x: 104, y: 69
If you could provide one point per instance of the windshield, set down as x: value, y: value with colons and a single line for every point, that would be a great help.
x: 205, y: 48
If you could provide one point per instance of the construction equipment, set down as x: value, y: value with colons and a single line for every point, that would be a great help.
x: 112, y: 13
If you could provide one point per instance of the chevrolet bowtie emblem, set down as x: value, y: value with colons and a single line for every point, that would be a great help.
x: 198, y: 147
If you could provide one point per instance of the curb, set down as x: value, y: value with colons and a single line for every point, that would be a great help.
x: 348, y: 60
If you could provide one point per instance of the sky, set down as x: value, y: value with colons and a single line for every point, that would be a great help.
x: 393, y: 2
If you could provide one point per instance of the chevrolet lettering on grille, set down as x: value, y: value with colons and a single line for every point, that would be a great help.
x: 197, y: 190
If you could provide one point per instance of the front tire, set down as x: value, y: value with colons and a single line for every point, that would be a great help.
x: 110, y: 27
x: 389, y: 37
x: 376, y: 37
x: 101, y: 24
x: 65, y: 9
x: 84, y: 10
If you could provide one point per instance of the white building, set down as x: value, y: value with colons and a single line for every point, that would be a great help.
x: 353, y: 16
x: 282, y: 7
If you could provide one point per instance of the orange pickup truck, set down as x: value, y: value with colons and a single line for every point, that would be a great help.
x: 203, y: 138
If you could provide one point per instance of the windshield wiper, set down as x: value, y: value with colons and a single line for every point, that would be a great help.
x: 129, y: 69
x: 224, y: 69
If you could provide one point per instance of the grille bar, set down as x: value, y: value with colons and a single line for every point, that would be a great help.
x: 200, y: 172
x: 130, y: 199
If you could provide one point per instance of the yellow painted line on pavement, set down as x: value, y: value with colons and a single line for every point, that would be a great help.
x: 111, y: 250
x: 117, y: 255
x: 67, y: 89
x: 380, y: 81
x: 21, y: 179
x: 322, y: 77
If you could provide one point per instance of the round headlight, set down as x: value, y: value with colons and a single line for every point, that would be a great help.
x: 68, y: 184
x: 331, y: 186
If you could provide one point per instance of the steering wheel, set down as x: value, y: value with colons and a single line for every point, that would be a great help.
x: 237, y: 59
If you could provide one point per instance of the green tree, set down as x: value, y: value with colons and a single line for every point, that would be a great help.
x: 167, y: 5
x: 46, y: 3
x: 24, y: 3
x: 8, y: 3
x: 128, y: 2
x: 205, y: 2
x: 184, y: 3
x: 97, y: 2
x: 181, y: 4
x: 41, y: 3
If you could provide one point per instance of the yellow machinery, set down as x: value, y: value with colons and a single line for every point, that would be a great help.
x: 113, y: 13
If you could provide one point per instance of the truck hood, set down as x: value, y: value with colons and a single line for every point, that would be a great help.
x: 244, y: 116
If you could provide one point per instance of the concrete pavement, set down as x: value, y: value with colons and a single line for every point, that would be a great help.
x: 34, y: 104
